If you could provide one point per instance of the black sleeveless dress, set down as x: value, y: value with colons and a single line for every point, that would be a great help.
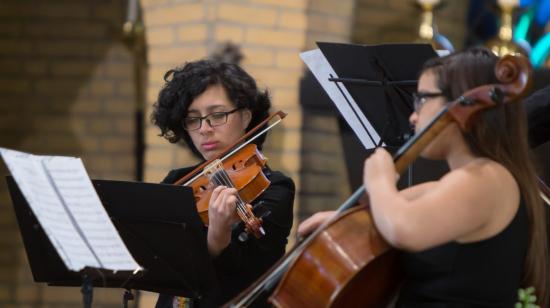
x: 480, y: 274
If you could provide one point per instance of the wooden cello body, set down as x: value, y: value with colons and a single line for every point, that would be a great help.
x: 337, y: 273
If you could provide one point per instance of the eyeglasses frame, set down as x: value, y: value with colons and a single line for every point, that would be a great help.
x: 420, y: 98
x: 226, y: 113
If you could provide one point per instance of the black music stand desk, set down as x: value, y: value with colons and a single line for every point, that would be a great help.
x: 158, y: 223
x: 381, y: 80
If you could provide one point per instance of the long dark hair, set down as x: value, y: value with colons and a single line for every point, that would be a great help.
x: 500, y: 134
x: 184, y: 84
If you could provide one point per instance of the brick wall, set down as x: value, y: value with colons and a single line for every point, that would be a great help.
x: 323, y: 175
x: 66, y: 88
x: 270, y: 34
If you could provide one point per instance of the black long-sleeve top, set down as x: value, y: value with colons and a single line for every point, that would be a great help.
x: 242, y: 262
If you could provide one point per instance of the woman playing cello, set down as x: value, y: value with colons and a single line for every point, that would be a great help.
x: 475, y: 236
x: 210, y: 105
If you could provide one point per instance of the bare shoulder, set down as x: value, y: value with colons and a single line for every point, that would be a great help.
x: 484, y: 175
x: 489, y: 189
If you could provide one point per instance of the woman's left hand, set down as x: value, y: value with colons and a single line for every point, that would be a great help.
x: 222, y: 214
x: 379, y: 167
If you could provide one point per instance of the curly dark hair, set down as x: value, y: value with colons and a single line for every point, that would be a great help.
x: 184, y: 84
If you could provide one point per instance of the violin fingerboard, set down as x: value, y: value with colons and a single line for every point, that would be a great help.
x: 217, y: 175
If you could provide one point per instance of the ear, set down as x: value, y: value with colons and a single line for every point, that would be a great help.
x: 247, y: 117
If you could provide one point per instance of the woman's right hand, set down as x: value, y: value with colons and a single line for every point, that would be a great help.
x: 312, y: 223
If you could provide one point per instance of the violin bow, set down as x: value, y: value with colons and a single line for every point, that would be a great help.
x: 193, y: 175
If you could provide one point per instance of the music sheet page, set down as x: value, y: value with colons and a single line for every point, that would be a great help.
x: 63, y: 199
x: 322, y: 70
x: 76, y: 188
x: 44, y: 201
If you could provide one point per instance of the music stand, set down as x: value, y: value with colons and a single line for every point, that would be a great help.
x: 381, y: 80
x: 158, y: 223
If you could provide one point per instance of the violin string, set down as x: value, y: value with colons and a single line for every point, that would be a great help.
x: 226, y: 181
x: 242, y: 209
x: 240, y: 212
x: 240, y: 203
x: 221, y: 180
x: 217, y: 181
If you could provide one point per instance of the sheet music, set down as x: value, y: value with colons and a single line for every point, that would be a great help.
x: 76, y: 188
x: 34, y: 184
x: 322, y: 70
x: 67, y: 207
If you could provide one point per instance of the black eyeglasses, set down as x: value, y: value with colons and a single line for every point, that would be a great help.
x: 420, y: 98
x: 214, y: 119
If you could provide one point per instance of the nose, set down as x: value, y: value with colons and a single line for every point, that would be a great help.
x: 205, y: 127
x: 413, y: 118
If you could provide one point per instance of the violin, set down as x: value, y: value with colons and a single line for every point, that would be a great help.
x: 346, y: 261
x: 242, y: 171
x: 239, y: 167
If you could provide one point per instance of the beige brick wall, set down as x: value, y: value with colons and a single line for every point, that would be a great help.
x: 323, y: 175
x: 66, y: 88
x: 270, y: 34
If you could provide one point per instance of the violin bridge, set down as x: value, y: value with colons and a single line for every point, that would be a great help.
x: 213, y: 168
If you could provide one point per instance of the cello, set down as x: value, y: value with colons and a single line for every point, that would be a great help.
x: 345, y: 262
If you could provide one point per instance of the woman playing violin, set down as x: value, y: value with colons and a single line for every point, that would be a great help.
x: 210, y: 105
x: 475, y: 236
